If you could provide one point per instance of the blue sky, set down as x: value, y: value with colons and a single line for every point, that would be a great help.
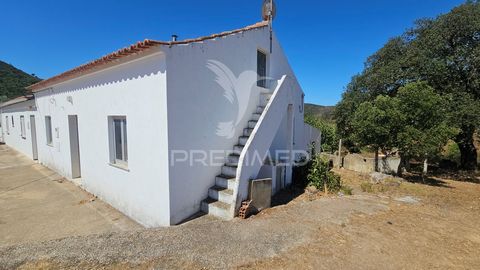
x: 326, y: 41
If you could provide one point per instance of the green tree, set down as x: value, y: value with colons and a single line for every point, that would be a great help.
x: 375, y: 124
x: 328, y: 130
x: 445, y: 53
x: 414, y: 122
x: 425, y: 128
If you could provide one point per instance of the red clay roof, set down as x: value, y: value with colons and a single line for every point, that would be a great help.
x: 136, y: 48
x: 16, y: 100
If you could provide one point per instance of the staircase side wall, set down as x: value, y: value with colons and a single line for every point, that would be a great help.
x: 198, y: 105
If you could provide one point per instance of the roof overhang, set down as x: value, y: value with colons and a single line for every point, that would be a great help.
x: 138, y: 49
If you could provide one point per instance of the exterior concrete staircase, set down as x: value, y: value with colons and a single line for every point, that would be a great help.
x: 220, y: 197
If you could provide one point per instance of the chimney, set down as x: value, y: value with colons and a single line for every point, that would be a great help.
x: 174, y: 37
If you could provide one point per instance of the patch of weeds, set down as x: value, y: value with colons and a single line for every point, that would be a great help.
x: 321, y: 176
x: 367, y: 187
x: 347, y: 190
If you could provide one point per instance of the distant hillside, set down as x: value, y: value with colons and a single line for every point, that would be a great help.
x: 324, y: 112
x: 13, y: 81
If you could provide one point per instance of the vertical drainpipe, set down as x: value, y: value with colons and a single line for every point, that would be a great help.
x: 270, y: 22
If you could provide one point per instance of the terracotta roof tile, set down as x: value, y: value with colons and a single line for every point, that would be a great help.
x: 16, y: 100
x: 136, y: 48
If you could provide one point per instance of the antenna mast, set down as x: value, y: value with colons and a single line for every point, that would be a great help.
x: 268, y: 14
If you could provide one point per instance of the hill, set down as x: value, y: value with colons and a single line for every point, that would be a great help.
x: 323, y: 112
x: 13, y: 81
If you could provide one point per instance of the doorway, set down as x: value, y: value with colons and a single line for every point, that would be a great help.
x: 33, y: 131
x: 74, y: 145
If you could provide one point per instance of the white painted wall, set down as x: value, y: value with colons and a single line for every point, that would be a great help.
x: 196, y: 105
x: 153, y: 190
x: 13, y: 138
x: 280, y: 106
x: 137, y: 90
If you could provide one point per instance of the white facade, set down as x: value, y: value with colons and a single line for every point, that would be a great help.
x: 196, y: 105
x: 12, y: 130
x: 172, y: 101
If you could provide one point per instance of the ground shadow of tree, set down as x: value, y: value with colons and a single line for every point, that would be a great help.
x: 427, y: 180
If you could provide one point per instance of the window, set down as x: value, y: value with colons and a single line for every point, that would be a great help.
x: 22, y: 127
x: 118, y: 140
x: 13, y: 123
x: 48, y: 129
x: 7, y: 125
x: 261, y: 69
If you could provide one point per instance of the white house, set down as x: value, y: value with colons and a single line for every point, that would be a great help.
x: 162, y: 130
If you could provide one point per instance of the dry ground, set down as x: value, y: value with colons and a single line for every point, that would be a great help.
x: 440, y: 232
x: 369, y: 230
x: 37, y: 204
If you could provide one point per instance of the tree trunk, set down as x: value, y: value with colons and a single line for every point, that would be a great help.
x: 425, y: 166
x: 468, y: 153
x: 401, y: 166
x: 376, y: 160
x: 425, y: 170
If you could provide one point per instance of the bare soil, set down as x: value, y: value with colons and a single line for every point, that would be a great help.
x: 439, y: 232
x: 369, y: 230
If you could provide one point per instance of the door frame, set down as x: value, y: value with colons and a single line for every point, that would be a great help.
x: 33, y: 133
x: 74, y: 146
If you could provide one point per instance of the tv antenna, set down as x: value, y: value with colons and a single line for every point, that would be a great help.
x: 269, y: 11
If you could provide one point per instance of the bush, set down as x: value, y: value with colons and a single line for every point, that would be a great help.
x: 366, y: 187
x: 320, y: 176
x: 347, y: 190
x: 451, y: 152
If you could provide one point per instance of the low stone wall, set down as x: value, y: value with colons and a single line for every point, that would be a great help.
x: 359, y: 163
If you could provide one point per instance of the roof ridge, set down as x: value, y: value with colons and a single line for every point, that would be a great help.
x: 136, y: 48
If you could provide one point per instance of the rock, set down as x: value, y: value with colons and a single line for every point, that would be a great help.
x: 408, y: 199
x: 381, y: 178
x: 377, y: 178
x: 311, y: 189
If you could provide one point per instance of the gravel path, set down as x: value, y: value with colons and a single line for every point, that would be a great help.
x: 204, y: 242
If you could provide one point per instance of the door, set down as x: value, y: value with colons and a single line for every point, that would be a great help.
x: 33, y: 131
x: 74, y: 145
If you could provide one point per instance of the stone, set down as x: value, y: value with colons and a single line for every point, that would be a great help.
x: 408, y: 199
x: 377, y: 178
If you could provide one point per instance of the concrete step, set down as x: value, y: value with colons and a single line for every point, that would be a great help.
x: 221, y: 194
x: 233, y: 159
x: 252, y: 123
x: 256, y: 116
x: 225, y: 181
x: 231, y: 164
x: 247, y: 131
x: 264, y: 99
x: 216, y: 208
x: 260, y: 109
x: 243, y: 140
x: 238, y: 149
x: 229, y: 170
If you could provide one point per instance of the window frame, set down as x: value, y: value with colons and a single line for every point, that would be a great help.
x: 112, y: 122
x: 48, y: 130
x: 23, y: 132
x: 263, y: 83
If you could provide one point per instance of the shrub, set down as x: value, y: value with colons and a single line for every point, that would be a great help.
x: 366, y: 187
x: 451, y: 152
x: 347, y: 190
x: 321, y: 177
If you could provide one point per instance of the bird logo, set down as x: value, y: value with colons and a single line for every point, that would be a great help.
x: 237, y: 90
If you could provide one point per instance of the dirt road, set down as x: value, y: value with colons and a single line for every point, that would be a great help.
x: 435, y: 228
